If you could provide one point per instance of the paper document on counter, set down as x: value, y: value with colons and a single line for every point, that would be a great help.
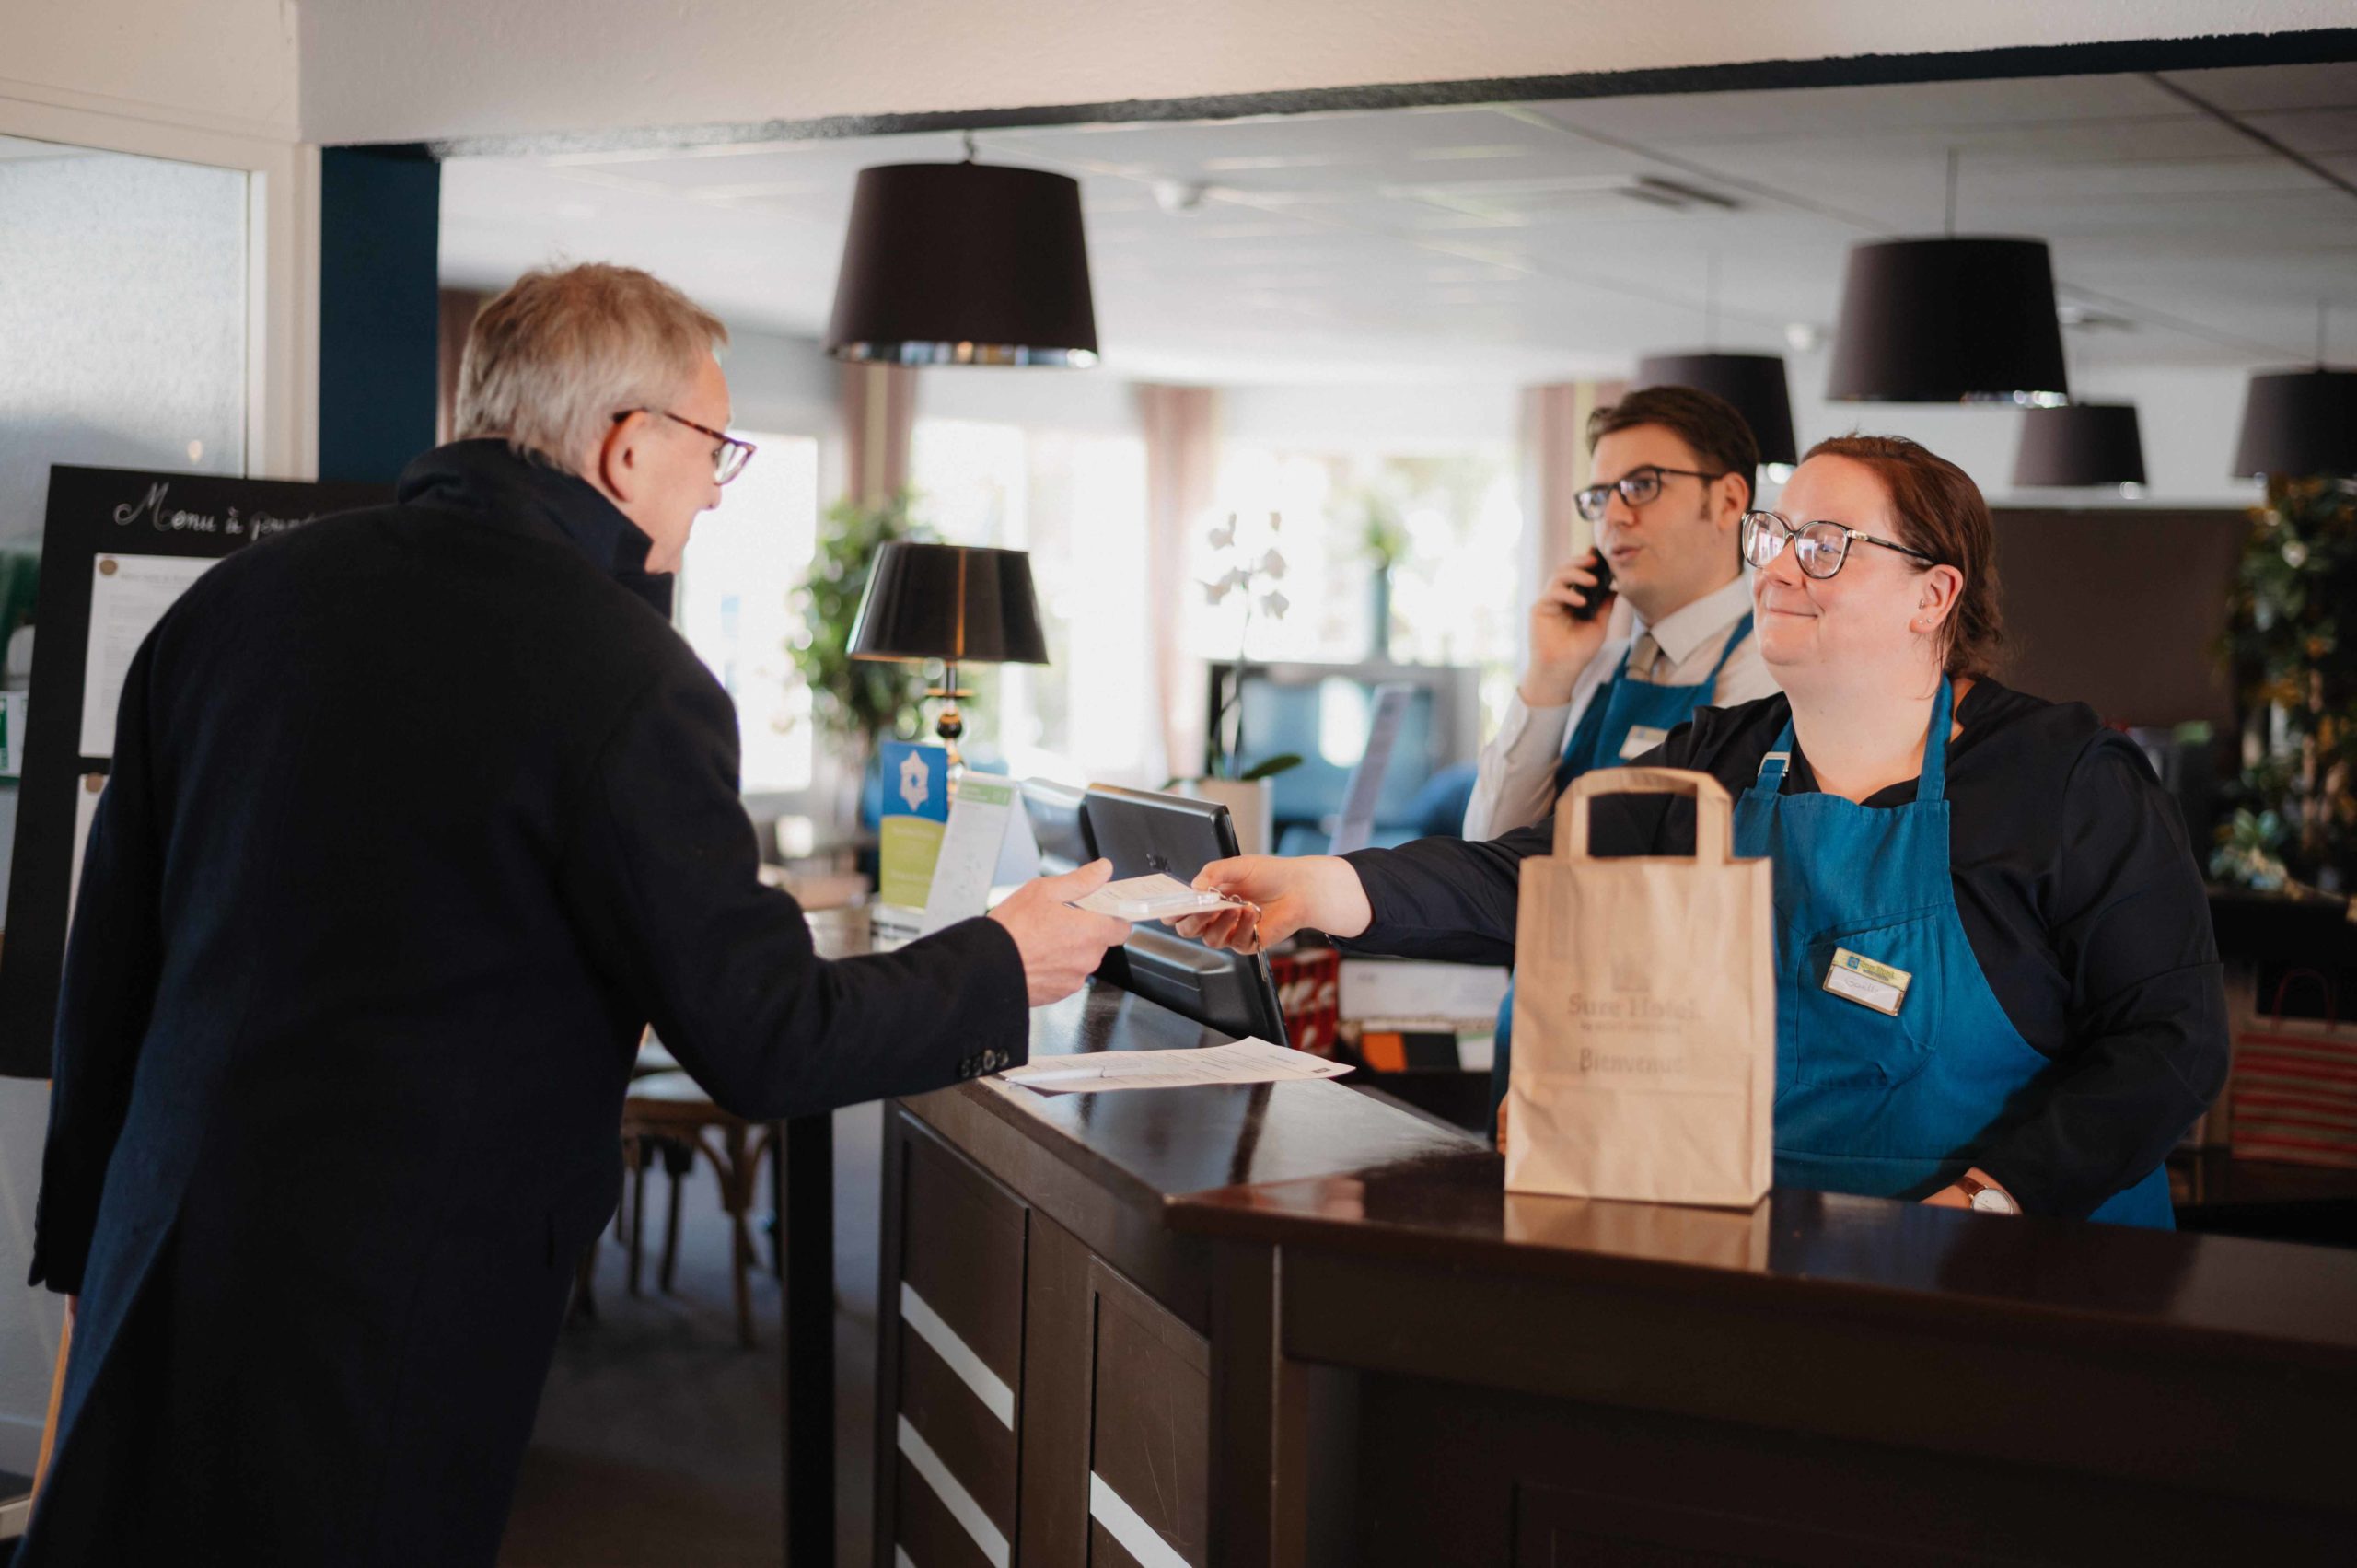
x: 1245, y: 1061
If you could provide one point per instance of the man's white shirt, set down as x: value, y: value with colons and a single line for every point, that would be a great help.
x: 1517, y: 786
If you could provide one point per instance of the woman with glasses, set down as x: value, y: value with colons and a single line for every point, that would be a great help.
x: 1996, y: 983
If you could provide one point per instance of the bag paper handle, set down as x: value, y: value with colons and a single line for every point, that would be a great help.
x: 2331, y: 997
x: 1713, y: 808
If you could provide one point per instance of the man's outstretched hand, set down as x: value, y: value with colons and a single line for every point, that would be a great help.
x: 1061, y: 946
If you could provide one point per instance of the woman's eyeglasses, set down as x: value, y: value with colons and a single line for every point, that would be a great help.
x: 1636, y: 487
x: 729, y: 459
x: 1818, y: 548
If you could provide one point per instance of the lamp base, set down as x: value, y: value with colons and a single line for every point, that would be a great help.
x: 950, y: 724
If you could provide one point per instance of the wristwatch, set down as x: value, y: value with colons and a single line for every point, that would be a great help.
x: 1986, y: 1198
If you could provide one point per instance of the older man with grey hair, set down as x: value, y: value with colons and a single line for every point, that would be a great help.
x: 418, y: 816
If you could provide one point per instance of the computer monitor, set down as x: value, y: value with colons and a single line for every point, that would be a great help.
x: 1141, y: 832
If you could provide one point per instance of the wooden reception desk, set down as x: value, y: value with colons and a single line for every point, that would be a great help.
x: 1300, y: 1323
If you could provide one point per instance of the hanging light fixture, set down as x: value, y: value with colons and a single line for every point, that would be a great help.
x: 1949, y: 320
x: 964, y: 263
x: 1753, y: 383
x: 2299, y: 423
x: 2079, y: 445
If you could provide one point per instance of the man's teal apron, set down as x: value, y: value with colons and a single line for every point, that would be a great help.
x: 1887, y: 1104
x: 1626, y: 719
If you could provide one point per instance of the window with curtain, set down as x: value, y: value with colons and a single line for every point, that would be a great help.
x: 1451, y: 520
x: 735, y: 605
x: 1077, y: 502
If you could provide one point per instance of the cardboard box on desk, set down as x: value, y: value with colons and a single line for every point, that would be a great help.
x: 1645, y: 1014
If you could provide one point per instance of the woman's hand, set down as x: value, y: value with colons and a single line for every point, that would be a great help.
x: 1319, y: 891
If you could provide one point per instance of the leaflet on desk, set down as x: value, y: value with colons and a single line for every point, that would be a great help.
x: 1241, y: 1061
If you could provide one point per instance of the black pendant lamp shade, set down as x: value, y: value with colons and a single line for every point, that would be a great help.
x: 1754, y: 383
x: 953, y: 602
x: 1949, y: 321
x: 2299, y: 424
x: 964, y: 263
x: 2080, y: 444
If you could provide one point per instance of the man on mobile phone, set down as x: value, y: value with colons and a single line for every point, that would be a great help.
x: 1609, y: 680
x: 1674, y: 468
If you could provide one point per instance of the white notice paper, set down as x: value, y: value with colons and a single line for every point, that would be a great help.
x: 961, y: 874
x: 1245, y: 1061
x: 128, y: 595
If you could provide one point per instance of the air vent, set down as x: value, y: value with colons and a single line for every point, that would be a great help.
x: 1508, y: 201
x: 1670, y: 194
x: 2087, y: 319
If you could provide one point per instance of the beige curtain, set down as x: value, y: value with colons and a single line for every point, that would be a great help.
x: 880, y: 409
x: 1181, y: 428
x: 1555, y: 465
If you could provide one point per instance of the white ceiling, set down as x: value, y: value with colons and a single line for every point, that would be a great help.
x: 1501, y: 242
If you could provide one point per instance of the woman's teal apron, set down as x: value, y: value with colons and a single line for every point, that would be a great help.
x: 1890, y: 1104
x: 1627, y: 718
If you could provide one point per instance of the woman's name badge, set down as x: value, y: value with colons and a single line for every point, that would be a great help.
x: 1641, y: 738
x: 1866, y: 982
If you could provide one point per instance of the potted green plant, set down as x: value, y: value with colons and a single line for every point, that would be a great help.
x: 2293, y: 643
x: 858, y: 703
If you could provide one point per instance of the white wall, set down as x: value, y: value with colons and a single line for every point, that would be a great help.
x: 1402, y: 417
x: 1087, y: 400
x: 776, y: 382
x: 227, y: 65
x: 402, y: 70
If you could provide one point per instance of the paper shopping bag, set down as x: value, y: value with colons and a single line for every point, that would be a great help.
x: 1645, y: 1011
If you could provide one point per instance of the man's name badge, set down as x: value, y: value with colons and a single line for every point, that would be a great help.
x: 1866, y: 982
x: 1641, y: 738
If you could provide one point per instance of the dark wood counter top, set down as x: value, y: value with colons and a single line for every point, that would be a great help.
x: 1159, y: 1145
x: 1900, y: 1258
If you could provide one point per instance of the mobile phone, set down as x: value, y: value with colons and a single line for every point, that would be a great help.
x: 1597, y: 595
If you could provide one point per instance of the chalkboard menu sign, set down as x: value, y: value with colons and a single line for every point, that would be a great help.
x: 116, y: 549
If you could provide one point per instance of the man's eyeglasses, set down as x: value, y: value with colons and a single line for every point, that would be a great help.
x: 1636, y: 487
x: 1818, y: 548
x: 729, y: 459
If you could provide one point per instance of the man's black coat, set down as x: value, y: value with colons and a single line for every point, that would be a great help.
x: 417, y: 816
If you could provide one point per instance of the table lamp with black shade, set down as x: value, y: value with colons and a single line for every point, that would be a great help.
x: 961, y: 604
